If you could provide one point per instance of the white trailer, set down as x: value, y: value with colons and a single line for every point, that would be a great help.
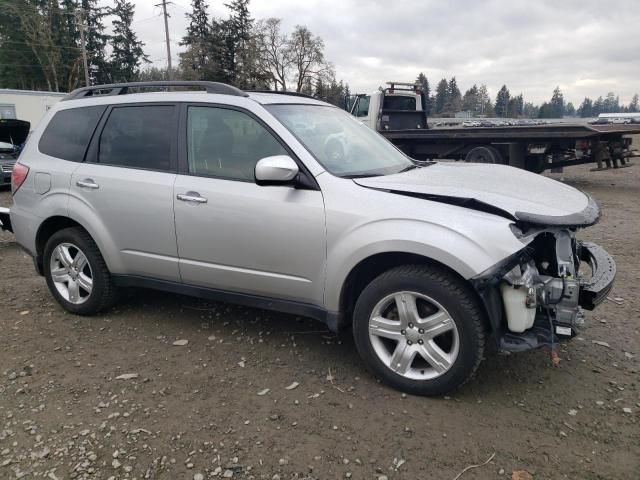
x: 26, y: 105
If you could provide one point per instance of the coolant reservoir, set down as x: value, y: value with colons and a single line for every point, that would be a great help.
x: 520, y: 316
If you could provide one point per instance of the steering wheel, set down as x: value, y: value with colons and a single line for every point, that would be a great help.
x: 334, y: 151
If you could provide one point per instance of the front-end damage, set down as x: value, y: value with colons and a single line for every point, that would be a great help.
x: 536, y: 297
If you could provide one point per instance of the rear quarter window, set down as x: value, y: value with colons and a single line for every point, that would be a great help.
x: 68, y: 133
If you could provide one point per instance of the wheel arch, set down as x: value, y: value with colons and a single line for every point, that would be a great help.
x: 374, y: 265
x: 46, y: 229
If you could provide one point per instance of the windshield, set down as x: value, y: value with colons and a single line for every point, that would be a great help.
x: 342, y: 145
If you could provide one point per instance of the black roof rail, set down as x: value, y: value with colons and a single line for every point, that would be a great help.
x: 284, y: 92
x: 123, y: 88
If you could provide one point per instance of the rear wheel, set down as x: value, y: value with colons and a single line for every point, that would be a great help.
x: 76, y: 273
x: 484, y: 154
x: 420, y: 329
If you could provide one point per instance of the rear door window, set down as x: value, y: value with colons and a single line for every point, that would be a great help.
x: 138, y: 137
x: 68, y: 133
x: 399, y: 102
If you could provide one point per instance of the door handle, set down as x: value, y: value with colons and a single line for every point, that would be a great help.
x: 191, y: 197
x: 87, y: 183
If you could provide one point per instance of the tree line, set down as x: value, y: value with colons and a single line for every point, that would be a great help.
x: 447, y: 100
x: 40, y: 45
x: 40, y: 49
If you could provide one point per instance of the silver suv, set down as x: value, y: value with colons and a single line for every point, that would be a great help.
x: 283, y: 202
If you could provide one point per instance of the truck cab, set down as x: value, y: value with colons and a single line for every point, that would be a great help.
x: 399, y: 106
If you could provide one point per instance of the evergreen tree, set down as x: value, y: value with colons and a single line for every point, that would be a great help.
x: 127, y: 54
x: 454, y: 98
x: 20, y: 59
x: 320, y: 91
x: 195, y: 61
x: 470, y: 101
x: 238, y: 60
x: 426, y: 91
x: 441, y: 97
x: 502, y: 102
x: 530, y: 110
x: 485, y: 107
x: 570, y: 110
x: 557, y: 104
x: 633, y: 106
x: 586, y: 108
x: 516, y: 106
x: 546, y: 111
x: 611, y: 103
x: 598, y: 107
x: 96, y: 41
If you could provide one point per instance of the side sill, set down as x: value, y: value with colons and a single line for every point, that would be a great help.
x: 331, y: 319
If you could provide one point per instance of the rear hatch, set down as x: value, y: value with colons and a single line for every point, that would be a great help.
x: 14, y: 132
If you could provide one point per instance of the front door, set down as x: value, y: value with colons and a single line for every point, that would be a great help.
x: 125, y: 189
x: 238, y: 236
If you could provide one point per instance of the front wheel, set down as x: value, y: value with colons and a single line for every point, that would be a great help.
x: 76, y: 273
x: 420, y: 329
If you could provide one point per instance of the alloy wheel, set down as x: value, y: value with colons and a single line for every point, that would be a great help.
x: 71, y: 273
x: 413, y: 335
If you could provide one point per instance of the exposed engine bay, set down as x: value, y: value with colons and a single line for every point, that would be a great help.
x: 548, y: 286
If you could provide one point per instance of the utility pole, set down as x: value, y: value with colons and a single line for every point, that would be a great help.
x: 80, y: 16
x: 166, y: 34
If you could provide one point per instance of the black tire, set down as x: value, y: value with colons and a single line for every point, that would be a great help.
x: 484, y: 154
x: 449, y: 291
x: 103, y: 293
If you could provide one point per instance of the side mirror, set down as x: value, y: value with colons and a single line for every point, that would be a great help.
x: 276, y: 170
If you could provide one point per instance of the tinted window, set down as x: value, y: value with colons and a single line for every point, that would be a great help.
x: 138, y: 137
x: 227, y: 143
x: 69, y: 132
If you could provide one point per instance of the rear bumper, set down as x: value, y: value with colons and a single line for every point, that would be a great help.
x: 5, y: 219
x: 594, y: 290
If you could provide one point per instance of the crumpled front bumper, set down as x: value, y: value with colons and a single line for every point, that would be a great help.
x: 594, y: 291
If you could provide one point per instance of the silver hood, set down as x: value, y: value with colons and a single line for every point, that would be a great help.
x: 512, y: 192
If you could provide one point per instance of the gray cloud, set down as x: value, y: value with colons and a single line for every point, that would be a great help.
x: 587, y: 47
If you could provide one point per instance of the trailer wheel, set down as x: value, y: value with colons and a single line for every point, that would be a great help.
x: 484, y: 154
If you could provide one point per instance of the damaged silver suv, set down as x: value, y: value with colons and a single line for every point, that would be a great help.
x: 242, y: 197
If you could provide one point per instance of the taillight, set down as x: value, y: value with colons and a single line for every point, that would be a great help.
x: 18, y: 176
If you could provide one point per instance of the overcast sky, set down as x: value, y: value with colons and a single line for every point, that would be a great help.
x: 587, y: 47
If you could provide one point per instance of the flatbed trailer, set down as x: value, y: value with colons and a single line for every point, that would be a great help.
x: 398, y: 114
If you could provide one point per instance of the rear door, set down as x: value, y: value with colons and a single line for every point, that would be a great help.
x: 124, y: 190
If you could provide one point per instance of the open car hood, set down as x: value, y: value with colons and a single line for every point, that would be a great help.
x: 524, y: 197
x: 14, y: 131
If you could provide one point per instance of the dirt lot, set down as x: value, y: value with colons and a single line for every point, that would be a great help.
x: 196, y: 409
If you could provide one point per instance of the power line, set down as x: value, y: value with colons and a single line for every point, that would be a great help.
x: 39, y: 44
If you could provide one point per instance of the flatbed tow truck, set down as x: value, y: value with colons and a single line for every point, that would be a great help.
x: 398, y: 113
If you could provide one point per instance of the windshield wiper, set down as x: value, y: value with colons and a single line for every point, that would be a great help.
x: 407, y: 168
x: 362, y: 175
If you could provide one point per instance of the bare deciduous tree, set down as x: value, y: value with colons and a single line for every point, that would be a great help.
x: 275, y: 54
x: 307, y: 54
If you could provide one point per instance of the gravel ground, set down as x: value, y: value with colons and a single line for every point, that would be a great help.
x: 254, y: 394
